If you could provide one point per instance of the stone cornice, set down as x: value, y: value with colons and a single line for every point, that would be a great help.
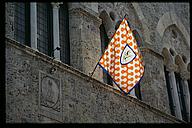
x: 62, y: 66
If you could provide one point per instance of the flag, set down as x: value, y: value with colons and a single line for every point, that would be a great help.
x: 122, y: 60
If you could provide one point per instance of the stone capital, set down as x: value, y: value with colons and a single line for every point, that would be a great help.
x: 171, y: 67
x: 56, y: 4
x: 185, y: 75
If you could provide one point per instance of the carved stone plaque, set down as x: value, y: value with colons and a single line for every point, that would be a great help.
x: 50, y: 96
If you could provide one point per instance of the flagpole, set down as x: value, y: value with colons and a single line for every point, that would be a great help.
x: 125, y: 16
x: 94, y: 70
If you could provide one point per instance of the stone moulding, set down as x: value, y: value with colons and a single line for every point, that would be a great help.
x: 159, y: 56
x: 62, y: 66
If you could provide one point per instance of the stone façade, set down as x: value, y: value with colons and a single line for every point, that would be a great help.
x: 23, y: 76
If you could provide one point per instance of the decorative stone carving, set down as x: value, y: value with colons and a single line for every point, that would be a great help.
x: 56, y: 4
x: 185, y: 75
x: 171, y: 67
x: 49, y: 92
x: 50, y: 96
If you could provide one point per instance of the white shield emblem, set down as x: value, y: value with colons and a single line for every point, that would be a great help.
x: 127, y: 55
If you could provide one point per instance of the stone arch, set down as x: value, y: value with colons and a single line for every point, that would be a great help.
x: 174, y: 39
x: 170, y: 18
x: 112, y: 19
x: 108, y: 23
x: 141, y: 17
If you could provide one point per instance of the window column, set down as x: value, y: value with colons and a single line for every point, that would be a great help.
x: 184, y: 75
x: 56, y: 30
x: 174, y: 92
x: 186, y: 95
x: 33, y: 20
x: 170, y: 68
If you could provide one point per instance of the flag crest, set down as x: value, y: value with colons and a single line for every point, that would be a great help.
x: 122, y: 59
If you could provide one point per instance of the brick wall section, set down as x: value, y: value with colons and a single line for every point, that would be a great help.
x: 83, y: 99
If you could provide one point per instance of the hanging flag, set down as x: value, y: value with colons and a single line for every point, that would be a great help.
x: 122, y: 60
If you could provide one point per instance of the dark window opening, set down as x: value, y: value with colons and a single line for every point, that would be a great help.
x: 181, y: 96
x: 171, y: 105
x: 112, y: 16
x: 138, y: 91
x: 172, y: 52
x: 184, y: 59
x: 117, y: 24
x: 104, y: 43
x: 22, y: 23
x: 44, y: 28
x: 174, y: 34
x: 137, y: 38
x: 64, y: 33
x: 188, y: 81
x: 139, y: 42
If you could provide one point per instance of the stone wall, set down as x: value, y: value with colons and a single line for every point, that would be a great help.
x: 85, y: 46
x: 34, y: 94
x: 153, y: 21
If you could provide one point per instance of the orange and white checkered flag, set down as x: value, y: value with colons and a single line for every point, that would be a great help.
x: 122, y: 59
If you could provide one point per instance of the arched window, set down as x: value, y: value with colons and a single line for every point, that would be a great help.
x: 176, y: 85
x: 22, y: 23
x: 64, y: 33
